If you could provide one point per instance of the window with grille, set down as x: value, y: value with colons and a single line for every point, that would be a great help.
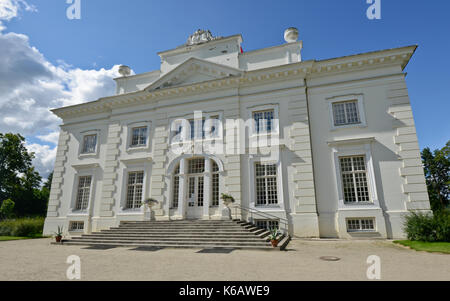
x: 197, y: 129
x: 134, y: 190
x: 83, y: 194
x: 89, y: 144
x: 215, y: 184
x: 139, y: 136
x: 346, y: 113
x: 267, y: 224
x: 176, y: 187
x: 263, y: 121
x: 76, y: 226
x: 266, y: 184
x: 354, y: 179
x: 360, y: 224
x: 196, y: 166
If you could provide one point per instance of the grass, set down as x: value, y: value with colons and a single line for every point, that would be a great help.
x: 432, y: 247
x: 10, y: 238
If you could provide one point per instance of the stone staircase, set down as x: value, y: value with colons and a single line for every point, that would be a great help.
x: 182, y: 234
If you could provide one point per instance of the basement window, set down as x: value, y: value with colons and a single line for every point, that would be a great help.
x: 267, y: 224
x: 76, y: 226
x: 361, y: 224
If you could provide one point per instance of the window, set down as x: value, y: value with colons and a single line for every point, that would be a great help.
x: 263, y: 121
x: 84, y: 190
x: 345, y: 113
x: 360, y: 224
x: 76, y: 226
x: 89, y: 144
x: 135, y: 188
x: 267, y: 224
x: 266, y: 184
x: 176, y: 187
x: 139, y: 137
x: 215, y: 184
x: 196, y: 166
x: 354, y: 179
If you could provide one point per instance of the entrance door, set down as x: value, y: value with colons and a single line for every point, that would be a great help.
x: 195, y: 197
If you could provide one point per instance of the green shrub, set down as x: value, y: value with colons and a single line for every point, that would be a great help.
x: 24, y: 227
x: 428, y: 227
x: 7, y: 209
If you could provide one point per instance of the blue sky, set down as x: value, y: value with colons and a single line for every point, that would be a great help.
x: 113, y: 32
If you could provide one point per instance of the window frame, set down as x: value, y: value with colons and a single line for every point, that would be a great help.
x: 129, y: 139
x: 275, y: 121
x: 349, y: 148
x: 82, y: 136
x: 359, y: 99
x: 133, y: 166
x: 360, y: 224
x: 127, y: 179
x: 353, y: 173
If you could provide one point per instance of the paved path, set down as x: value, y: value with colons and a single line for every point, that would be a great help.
x: 38, y: 260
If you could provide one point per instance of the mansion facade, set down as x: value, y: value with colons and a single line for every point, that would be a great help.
x: 329, y: 146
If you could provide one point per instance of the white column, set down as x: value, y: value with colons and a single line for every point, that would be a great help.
x: 182, y: 190
x: 207, y: 188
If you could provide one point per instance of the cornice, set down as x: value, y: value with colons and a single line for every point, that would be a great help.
x: 399, y: 56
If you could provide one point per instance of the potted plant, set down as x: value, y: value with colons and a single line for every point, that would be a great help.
x: 273, y: 236
x: 227, y: 199
x: 59, y: 234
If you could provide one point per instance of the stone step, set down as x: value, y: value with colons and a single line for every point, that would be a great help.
x: 181, y: 246
x: 247, y: 236
x: 174, y: 239
x: 168, y: 242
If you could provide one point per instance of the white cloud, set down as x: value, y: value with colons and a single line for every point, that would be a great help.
x: 44, y: 158
x: 9, y: 9
x: 30, y: 86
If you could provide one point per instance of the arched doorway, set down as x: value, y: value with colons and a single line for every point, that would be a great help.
x: 196, y: 187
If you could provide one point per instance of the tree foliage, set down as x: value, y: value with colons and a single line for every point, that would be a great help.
x: 19, y: 181
x: 437, y: 174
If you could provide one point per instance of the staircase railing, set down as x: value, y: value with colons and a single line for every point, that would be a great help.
x: 283, y: 224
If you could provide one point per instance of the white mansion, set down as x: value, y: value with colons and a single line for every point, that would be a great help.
x: 330, y: 146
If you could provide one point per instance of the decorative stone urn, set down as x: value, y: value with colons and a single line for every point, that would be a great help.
x: 227, y: 201
x: 291, y: 35
x: 149, y: 214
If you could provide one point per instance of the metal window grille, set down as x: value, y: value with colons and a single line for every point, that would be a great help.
x: 89, y: 144
x: 346, y: 113
x: 84, y: 189
x: 354, y: 179
x: 134, y: 190
x: 266, y: 184
x: 360, y: 224
x: 263, y: 121
x: 76, y: 226
x: 139, y: 136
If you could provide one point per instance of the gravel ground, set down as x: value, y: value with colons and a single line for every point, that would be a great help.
x: 39, y: 260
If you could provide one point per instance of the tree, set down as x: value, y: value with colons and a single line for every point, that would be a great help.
x: 437, y: 174
x: 7, y: 209
x: 14, y: 161
x: 19, y: 181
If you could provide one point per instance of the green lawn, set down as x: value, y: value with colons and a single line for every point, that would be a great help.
x: 8, y: 238
x: 440, y: 247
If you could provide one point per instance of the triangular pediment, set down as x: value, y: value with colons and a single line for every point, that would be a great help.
x: 193, y: 71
